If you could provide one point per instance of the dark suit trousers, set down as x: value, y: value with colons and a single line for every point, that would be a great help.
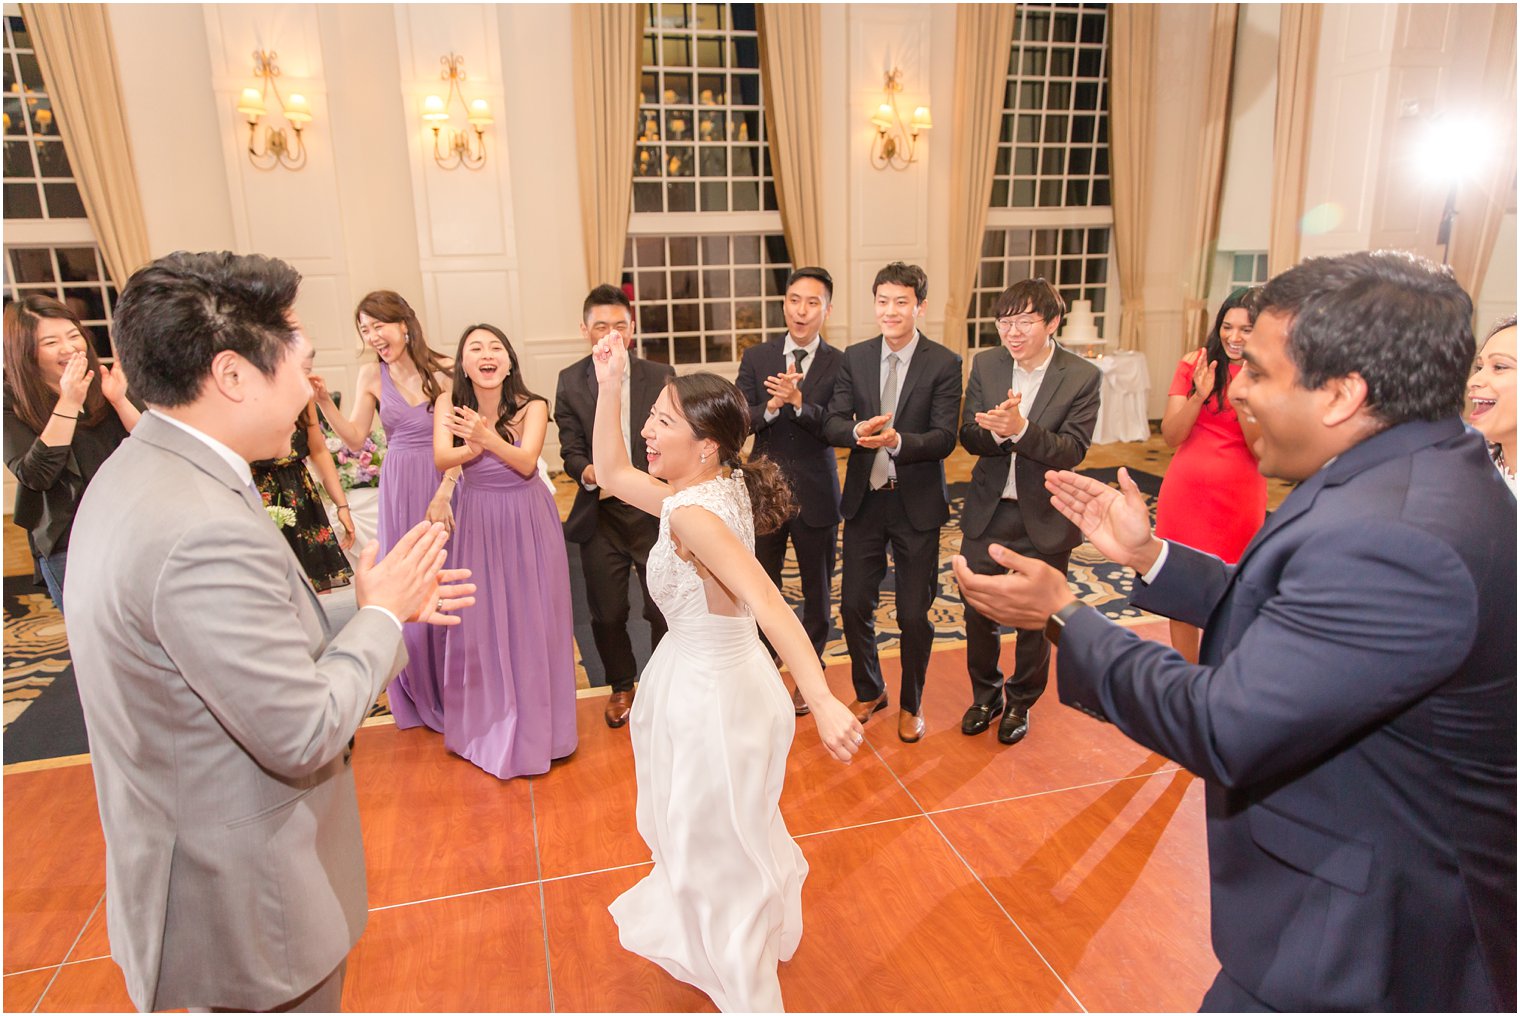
x: 880, y: 523
x: 1031, y: 652
x: 816, y: 555
x: 623, y: 538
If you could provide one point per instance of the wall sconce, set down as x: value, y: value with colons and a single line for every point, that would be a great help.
x: 279, y: 150
x: 459, y: 147
x: 896, y: 142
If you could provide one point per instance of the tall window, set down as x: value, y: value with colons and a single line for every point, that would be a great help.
x: 49, y: 245
x: 705, y: 254
x: 1051, y: 215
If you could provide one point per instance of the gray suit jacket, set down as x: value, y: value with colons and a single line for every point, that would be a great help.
x: 219, y: 709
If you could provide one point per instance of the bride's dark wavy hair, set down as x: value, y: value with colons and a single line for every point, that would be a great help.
x: 714, y: 409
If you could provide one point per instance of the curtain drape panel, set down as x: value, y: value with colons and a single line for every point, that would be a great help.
x: 791, y: 56
x: 1131, y: 76
x: 1297, y: 53
x: 1212, y: 137
x: 983, y: 38
x: 1483, y: 202
x: 78, y: 62
x: 607, y: 62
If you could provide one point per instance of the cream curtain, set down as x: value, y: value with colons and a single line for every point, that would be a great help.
x: 1129, y: 103
x: 1297, y: 53
x: 1482, y: 204
x: 791, y: 57
x: 78, y: 64
x: 983, y: 39
x: 1212, y: 137
x: 606, y: 65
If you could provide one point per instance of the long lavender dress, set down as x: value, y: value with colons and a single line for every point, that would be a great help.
x: 408, y: 480
x: 509, y: 665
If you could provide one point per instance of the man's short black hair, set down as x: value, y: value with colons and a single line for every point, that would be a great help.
x: 606, y: 296
x: 1398, y: 320
x: 813, y: 273
x: 177, y: 313
x: 899, y: 274
x: 1031, y: 296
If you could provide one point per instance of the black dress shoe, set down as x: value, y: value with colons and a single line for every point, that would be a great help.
x: 1014, y: 726
x: 979, y: 718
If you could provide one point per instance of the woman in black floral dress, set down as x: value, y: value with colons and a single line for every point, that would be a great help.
x: 287, y: 483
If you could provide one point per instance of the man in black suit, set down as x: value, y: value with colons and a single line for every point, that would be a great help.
x: 788, y: 382
x: 1030, y: 406
x: 1353, y: 708
x: 895, y: 407
x: 614, y: 536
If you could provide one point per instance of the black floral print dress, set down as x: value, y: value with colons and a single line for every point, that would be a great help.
x: 287, y: 482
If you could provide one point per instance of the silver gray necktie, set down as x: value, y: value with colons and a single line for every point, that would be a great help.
x: 880, y: 473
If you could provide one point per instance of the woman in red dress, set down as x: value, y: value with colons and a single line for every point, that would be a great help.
x: 1213, y: 498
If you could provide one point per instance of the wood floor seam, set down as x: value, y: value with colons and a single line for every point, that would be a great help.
x: 1053, y: 790
x: 543, y: 906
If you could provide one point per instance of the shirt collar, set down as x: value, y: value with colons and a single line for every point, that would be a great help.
x: 1050, y: 352
x: 903, y: 354
x: 791, y: 344
x: 237, y: 462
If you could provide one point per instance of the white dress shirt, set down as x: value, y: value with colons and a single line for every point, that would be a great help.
x: 1027, y: 384
x: 627, y: 428
x: 904, y: 355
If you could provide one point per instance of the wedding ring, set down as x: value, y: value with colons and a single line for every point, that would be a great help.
x: 860, y: 738
x: 440, y: 605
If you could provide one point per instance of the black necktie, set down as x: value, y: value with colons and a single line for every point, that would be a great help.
x: 798, y: 355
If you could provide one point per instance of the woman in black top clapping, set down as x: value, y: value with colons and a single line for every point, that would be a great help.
x: 64, y: 416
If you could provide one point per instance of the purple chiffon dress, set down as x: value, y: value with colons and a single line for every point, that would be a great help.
x: 408, y: 480
x: 509, y: 665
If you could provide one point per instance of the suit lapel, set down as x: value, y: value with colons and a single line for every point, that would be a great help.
x: 822, y: 361
x: 916, y: 369
x: 1055, y: 371
x: 870, y: 378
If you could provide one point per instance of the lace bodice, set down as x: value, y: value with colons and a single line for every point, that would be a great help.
x: 675, y: 585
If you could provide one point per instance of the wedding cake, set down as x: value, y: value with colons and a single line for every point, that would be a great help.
x: 1079, y: 331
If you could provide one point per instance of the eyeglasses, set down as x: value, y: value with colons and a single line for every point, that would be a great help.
x: 601, y: 328
x: 1026, y: 323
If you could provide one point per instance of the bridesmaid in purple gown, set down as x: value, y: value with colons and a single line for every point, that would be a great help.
x: 402, y: 385
x: 509, y: 668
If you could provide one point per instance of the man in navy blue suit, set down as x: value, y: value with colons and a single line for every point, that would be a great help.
x: 1353, y: 708
x: 788, y: 382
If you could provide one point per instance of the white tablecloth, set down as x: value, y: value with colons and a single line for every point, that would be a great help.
x: 1126, y: 382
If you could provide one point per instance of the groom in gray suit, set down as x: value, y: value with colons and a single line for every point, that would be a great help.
x: 220, y: 705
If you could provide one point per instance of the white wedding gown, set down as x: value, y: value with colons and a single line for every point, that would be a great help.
x: 711, y: 727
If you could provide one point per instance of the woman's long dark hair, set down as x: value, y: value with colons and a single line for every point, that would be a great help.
x: 514, y: 391
x: 27, y: 394
x: 714, y: 409
x: 389, y: 308
x: 1247, y: 298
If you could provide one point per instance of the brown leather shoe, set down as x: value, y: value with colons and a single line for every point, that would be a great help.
x: 799, y: 704
x: 863, y: 710
x: 910, y: 726
x: 618, y: 705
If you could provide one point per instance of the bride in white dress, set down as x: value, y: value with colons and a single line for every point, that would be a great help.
x: 712, y: 721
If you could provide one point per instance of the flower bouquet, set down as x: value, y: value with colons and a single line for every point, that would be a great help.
x: 357, y: 468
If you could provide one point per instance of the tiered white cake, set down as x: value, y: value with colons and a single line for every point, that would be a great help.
x: 1079, y: 331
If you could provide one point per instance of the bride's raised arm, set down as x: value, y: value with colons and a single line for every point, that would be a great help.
x: 609, y: 455
x: 715, y: 547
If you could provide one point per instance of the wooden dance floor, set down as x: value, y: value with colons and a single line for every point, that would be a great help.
x: 1067, y: 872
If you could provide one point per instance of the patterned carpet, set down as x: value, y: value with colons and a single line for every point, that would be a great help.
x: 43, y: 719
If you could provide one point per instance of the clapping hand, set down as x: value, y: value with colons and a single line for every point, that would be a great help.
x: 610, y: 356
x: 785, y: 388
x: 1116, y: 521
x: 1004, y: 419
x: 1024, y: 597
x: 411, y: 581
x: 470, y: 427
x: 1203, y: 375
x: 113, y: 383
x: 875, y: 433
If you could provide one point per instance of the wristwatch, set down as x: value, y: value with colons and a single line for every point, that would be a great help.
x: 1056, y: 623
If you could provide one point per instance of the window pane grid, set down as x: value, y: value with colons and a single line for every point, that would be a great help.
x: 1248, y: 268
x: 702, y: 300
x: 73, y: 275
x: 701, y: 119
x: 1074, y: 261
x: 1053, y: 147
x: 39, y: 182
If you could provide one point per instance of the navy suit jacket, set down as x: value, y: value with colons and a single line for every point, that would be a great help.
x: 1353, y: 715
x: 575, y: 414
x: 928, y: 406
x: 794, y: 439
